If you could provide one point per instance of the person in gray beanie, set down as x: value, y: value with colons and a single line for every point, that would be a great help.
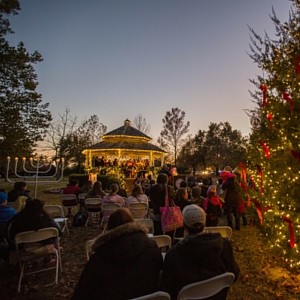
x: 198, y: 256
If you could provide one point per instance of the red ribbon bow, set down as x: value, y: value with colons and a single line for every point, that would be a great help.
x: 266, y: 149
x: 264, y: 89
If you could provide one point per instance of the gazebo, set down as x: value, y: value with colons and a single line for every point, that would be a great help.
x: 124, y: 149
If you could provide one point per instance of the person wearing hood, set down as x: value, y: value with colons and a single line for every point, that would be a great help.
x: 212, y: 205
x: 125, y: 263
x: 198, y: 256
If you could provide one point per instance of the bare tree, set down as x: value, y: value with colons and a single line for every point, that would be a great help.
x: 173, y: 131
x: 141, y: 124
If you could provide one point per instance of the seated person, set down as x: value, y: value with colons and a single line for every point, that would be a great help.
x: 72, y: 188
x: 198, y: 256
x: 113, y: 196
x: 32, y: 217
x: 20, y: 189
x: 125, y: 264
x: 137, y: 195
x: 96, y: 191
x: 88, y: 186
x: 6, y: 214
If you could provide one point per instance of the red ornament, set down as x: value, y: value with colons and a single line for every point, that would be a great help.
x: 260, y: 210
x: 264, y: 89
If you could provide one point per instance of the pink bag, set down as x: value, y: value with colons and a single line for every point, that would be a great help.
x: 171, y: 216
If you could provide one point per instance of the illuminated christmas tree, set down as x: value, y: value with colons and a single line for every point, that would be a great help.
x: 274, y: 151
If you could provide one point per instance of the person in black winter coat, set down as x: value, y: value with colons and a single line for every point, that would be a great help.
x: 125, y: 263
x: 198, y: 256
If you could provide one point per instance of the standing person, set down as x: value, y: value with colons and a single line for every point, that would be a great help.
x: 157, y: 199
x: 126, y: 264
x: 212, y: 206
x: 20, y: 189
x: 198, y: 256
x: 243, y: 195
x: 113, y: 196
x: 231, y: 199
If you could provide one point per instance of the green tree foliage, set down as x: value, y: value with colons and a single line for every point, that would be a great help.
x: 215, y: 148
x: 174, y: 129
x: 23, y: 116
x: 274, y: 150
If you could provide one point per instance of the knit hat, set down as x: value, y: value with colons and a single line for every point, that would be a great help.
x: 193, y: 215
x: 3, y: 197
x: 228, y: 168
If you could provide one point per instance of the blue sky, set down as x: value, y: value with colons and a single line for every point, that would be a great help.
x: 121, y: 58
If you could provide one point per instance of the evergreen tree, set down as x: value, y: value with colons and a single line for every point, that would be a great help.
x: 23, y: 116
x: 274, y: 151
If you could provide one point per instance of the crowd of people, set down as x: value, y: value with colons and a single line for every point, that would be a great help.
x: 124, y: 255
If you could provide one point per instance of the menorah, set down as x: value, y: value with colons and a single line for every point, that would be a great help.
x: 39, y: 168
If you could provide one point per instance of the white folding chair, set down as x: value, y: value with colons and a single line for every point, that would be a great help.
x: 107, y: 209
x: 88, y: 249
x: 154, y: 296
x: 225, y: 231
x: 68, y: 201
x: 29, y: 249
x: 164, y: 243
x: 57, y: 213
x: 148, y: 223
x: 206, y: 288
x: 93, y: 207
x: 139, y: 210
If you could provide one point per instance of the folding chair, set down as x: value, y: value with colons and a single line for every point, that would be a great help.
x: 19, y: 204
x: 68, y: 201
x: 93, y: 207
x: 29, y: 250
x: 148, y: 223
x: 206, y: 288
x: 164, y: 243
x: 57, y: 213
x: 154, y: 296
x: 107, y: 209
x: 88, y: 249
x: 225, y: 231
x: 139, y: 210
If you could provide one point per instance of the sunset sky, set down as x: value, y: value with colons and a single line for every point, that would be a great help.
x: 121, y: 58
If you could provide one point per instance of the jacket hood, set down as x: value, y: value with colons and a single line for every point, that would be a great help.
x: 122, y: 244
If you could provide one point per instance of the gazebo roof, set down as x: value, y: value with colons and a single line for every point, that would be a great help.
x: 126, y: 137
x: 126, y: 130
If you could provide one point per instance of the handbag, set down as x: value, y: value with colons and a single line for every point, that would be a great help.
x: 171, y: 216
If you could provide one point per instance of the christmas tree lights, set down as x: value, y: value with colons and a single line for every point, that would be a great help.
x: 274, y: 150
